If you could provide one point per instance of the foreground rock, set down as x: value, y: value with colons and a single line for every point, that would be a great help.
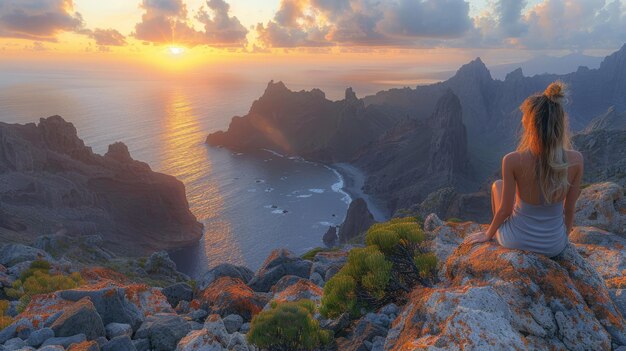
x: 278, y: 264
x: 602, y: 205
x: 52, y: 180
x: 503, y: 299
x: 231, y: 296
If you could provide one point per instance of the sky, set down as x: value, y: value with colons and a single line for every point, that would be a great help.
x: 187, y: 34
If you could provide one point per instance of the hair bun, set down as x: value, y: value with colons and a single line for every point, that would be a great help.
x: 555, y: 91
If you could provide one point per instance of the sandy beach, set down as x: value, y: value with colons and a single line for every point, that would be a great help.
x: 353, y: 181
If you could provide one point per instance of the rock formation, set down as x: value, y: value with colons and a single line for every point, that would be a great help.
x: 358, y: 220
x: 415, y: 157
x: 53, y: 183
x: 306, y: 124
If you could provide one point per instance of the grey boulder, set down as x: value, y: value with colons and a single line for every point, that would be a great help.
x: 79, y: 318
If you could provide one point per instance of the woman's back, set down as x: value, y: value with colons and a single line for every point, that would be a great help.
x: 527, y: 182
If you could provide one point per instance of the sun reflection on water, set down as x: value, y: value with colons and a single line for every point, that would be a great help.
x: 185, y: 156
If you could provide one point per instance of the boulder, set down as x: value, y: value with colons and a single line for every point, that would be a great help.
x: 300, y: 290
x: 85, y: 346
x: 494, y: 298
x: 79, y: 318
x: 128, y: 304
x: 11, y: 254
x: 118, y: 329
x: 14, y: 344
x: 214, y: 325
x: 141, y: 344
x: 327, y: 263
x: 163, y: 330
x: 225, y: 270
x: 160, y: 264
x: 232, y: 322
x: 358, y: 220
x: 230, y: 296
x: 51, y: 348
x: 602, y: 205
x: 119, y: 343
x: 280, y: 263
x: 604, y: 251
x: 65, y: 341
x: 38, y: 337
x: 199, y: 340
x: 330, y: 237
x: 178, y: 292
x: 362, y: 334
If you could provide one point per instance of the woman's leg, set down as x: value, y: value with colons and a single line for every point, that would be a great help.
x: 496, y: 196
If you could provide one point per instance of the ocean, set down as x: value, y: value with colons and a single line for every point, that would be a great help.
x: 249, y: 203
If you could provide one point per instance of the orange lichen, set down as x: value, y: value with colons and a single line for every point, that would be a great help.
x: 94, y: 274
x: 84, y: 346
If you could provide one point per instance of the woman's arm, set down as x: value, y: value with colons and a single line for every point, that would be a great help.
x: 509, y: 163
x: 574, y: 191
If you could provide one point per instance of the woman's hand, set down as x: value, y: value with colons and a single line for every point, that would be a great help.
x: 478, y: 237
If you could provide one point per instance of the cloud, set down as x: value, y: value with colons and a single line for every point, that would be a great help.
x: 38, y: 20
x: 427, y: 19
x: 221, y: 29
x: 108, y: 37
x: 166, y: 21
x: 311, y: 23
x: 553, y: 24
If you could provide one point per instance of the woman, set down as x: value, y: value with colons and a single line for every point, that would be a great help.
x: 533, y: 205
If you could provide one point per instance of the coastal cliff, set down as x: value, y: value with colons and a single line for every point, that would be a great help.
x: 53, y: 184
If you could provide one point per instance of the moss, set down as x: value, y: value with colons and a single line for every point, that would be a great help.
x: 309, y: 255
x: 454, y: 220
x: 288, y: 326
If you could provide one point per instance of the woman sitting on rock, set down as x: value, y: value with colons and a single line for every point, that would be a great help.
x: 533, y: 205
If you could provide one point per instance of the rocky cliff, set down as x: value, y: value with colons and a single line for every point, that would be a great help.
x: 52, y: 183
x: 306, y: 124
x: 417, y: 156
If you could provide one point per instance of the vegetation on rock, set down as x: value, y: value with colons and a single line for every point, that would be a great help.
x: 390, y: 265
x: 288, y: 326
x: 38, y: 280
x: 5, y: 320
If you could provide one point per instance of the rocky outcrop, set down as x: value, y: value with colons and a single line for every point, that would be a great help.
x: 358, y: 220
x: 493, y: 298
x: 330, y: 237
x: 79, y: 317
x: 306, y: 124
x: 225, y: 270
x: 419, y: 156
x: 52, y: 182
x: 230, y: 296
x: 278, y: 264
x: 603, y: 145
x: 602, y: 205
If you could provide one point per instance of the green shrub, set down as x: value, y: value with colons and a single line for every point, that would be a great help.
x: 288, y: 326
x: 392, y: 263
x: 38, y: 281
x: 35, y: 266
x: 309, y: 255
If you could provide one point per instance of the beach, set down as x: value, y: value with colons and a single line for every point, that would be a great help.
x: 353, y: 181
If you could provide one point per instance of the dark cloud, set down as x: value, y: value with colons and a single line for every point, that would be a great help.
x: 108, y: 37
x: 38, y: 19
x: 510, y: 17
x: 363, y: 22
x: 427, y: 18
x: 166, y: 21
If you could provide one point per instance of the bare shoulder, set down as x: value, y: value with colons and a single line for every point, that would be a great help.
x: 512, y: 159
x: 574, y: 157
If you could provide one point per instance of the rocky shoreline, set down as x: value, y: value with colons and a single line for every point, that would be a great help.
x: 354, y: 180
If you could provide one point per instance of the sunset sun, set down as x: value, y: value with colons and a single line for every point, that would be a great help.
x: 176, y: 50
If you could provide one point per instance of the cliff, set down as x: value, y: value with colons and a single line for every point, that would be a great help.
x: 53, y: 183
x: 415, y: 157
x: 306, y: 124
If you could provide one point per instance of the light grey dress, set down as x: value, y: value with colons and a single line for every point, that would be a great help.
x: 536, y: 228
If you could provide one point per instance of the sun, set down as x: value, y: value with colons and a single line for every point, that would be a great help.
x: 176, y: 50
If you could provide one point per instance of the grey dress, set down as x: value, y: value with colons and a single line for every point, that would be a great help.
x: 536, y: 228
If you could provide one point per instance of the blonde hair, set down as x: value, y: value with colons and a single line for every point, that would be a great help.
x: 546, y: 135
